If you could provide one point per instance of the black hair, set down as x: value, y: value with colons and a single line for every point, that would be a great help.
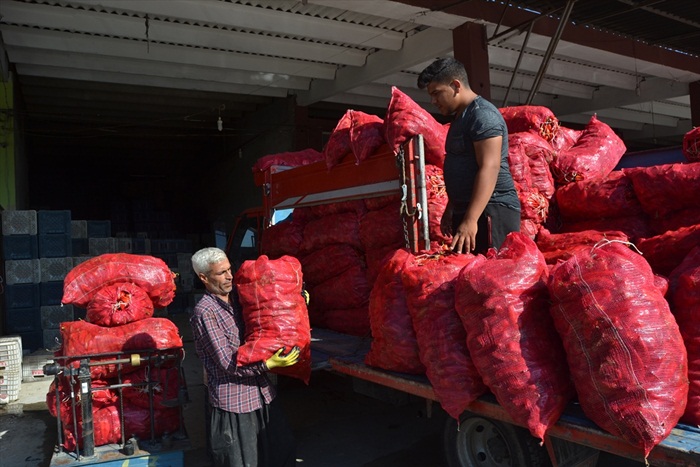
x: 443, y: 70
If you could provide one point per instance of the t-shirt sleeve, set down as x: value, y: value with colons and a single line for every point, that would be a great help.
x: 486, y: 124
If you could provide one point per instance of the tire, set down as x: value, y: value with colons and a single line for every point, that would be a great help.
x: 483, y: 442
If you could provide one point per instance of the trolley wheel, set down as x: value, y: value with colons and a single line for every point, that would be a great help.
x: 483, y: 442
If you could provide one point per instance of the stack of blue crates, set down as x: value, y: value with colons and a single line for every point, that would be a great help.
x: 35, y: 241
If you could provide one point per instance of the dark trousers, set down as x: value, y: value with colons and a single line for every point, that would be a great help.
x: 257, y: 439
x: 494, y: 224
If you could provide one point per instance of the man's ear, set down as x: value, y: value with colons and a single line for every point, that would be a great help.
x: 456, y: 85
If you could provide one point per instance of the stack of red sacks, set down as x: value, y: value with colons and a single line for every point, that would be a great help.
x: 119, y: 292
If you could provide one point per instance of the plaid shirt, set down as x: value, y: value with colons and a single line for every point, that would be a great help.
x: 218, y: 330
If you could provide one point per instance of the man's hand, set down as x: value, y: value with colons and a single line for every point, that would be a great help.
x: 464, y: 239
x: 280, y: 361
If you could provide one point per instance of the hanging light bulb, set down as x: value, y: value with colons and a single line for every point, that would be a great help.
x: 219, y: 124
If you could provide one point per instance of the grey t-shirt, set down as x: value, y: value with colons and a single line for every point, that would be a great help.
x: 480, y: 120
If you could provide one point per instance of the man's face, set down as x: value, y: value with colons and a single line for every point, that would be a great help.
x: 444, y: 97
x: 219, y: 280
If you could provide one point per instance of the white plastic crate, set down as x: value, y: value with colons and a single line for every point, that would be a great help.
x: 78, y: 229
x: 33, y: 365
x: 22, y: 271
x: 9, y: 386
x: 55, y: 269
x: 100, y: 246
x: 19, y: 222
x: 10, y: 354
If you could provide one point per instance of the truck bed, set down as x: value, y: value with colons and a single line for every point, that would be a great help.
x: 345, y: 354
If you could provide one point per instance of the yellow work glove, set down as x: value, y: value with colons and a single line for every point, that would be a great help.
x: 280, y: 361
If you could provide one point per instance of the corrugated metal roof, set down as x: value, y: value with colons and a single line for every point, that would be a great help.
x: 674, y: 24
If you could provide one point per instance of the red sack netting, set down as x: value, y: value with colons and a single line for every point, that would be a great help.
x: 380, y: 202
x: 381, y: 228
x: 119, y: 303
x: 429, y: 282
x: 612, y: 196
x: 539, y: 155
x: 82, y: 338
x: 375, y: 259
x: 322, y: 210
x: 164, y: 382
x: 618, y: 333
x: 366, y: 134
x: 564, y: 139
x: 502, y: 302
x: 437, y: 202
x: 283, y: 238
x: 595, y: 154
x: 562, y: 246
x: 634, y: 227
x: 288, y: 159
x: 691, y: 145
x: 405, y: 119
x: 352, y: 321
x: 338, y: 145
x: 663, y: 189
x: 334, y: 228
x: 394, y: 346
x: 685, y: 295
x: 533, y: 204
x: 676, y: 220
x: 347, y: 290
x: 150, y: 273
x: 328, y: 262
x: 274, y: 312
x: 530, y: 228
x: 666, y: 251
x: 533, y: 118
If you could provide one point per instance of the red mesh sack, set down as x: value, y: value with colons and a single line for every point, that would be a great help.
x: 150, y: 273
x: 322, y: 210
x: 164, y: 384
x: 502, y: 302
x: 429, y: 282
x: 105, y: 425
x: 119, y: 303
x: 539, y: 155
x: 691, y: 145
x: 382, y: 227
x: 564, y: 138
x: 101, y: 397
x: 379, y: 202
x: 595, y: 154
x: 533, y: 118
x: 561, y: 246
x: 676, y: 220
x: 375, y: 259
x: 612, y: 196
x: 663, y: 189
x: 633, y: 227
x: 288, y: 159
x: 685, y: 294
x: 283, y: 238
x: 334, y: 228
x: 352, y: 321
x: 328, y: 262
x: 82, y: 338
x: 394, y: 346
x: 618, y: 333
x: 347, y: 290
x: 366, y: 134
x: 437, y: 202
x: 533, y: 204
x: 338, y: 145
x: 274, y: 312
x: 137, y: 421
x: 666, y: 251
x: 406, y: 119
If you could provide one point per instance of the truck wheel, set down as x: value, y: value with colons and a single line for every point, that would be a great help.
x: 484, y: 442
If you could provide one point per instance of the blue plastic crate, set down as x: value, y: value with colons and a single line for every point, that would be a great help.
x: 80, y: 246
x: 55, y: 245
x: 53, y: 222
x: 22, y: 296
x: 32, y: 341
x: 50, y: 293
x: 20, y: 247
x: 23, y: 320
x: 53, y: 315
x: 99, y: 229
